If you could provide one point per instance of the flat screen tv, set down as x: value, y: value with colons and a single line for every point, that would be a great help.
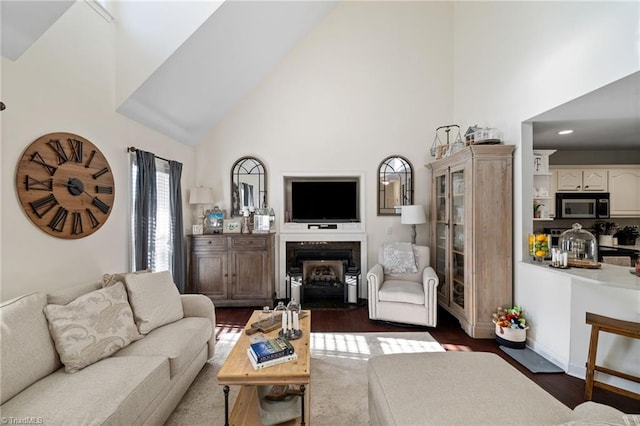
x: 323, y: 201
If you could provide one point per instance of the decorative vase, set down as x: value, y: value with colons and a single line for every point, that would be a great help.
x: 511, y: 337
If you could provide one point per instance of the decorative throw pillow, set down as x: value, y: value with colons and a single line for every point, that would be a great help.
x: 91, y: 327
x: 155, y: 300
x: 111, y: 279
x: 399, y: 258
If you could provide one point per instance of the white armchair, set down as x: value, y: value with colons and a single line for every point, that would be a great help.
x: 404, y: 297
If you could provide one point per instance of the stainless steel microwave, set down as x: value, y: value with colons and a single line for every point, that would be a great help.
x: 582, y: 205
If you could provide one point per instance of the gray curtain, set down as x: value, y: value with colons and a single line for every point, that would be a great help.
x: 145, y: 210
x: 179, y: 267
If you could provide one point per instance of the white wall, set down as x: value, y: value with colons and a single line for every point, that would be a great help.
x: 515, y: 60
x: 371, y: 80
x: 65, y: 83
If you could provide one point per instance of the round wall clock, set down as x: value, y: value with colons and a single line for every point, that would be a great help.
x: 65, y: 185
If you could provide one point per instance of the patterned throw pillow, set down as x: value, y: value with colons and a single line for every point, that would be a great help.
x: 92, y: 327
x: 399, y: 258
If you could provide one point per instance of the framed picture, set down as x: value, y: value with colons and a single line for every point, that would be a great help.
x: 261, y: 223
x: 230, y: 226
x: 197, y: 229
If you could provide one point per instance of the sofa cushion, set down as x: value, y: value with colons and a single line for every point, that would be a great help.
x: 402, y: 291
x: 155, y: 300
x: 113, y: 391
x: 179, y: 341
x: 92, y: 327
x: 66, y: 295
x: 111, y: 279
x: 27, y: 351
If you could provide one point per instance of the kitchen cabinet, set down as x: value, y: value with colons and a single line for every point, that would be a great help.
x: 233, y: 269
x: 586, y: 180
x: 624, y: 188
x: 471, y: 251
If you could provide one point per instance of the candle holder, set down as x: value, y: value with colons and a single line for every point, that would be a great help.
x: 291, y: 321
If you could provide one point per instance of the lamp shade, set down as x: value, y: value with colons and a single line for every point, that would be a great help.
x: 412, y: 215
x: 200, y: 195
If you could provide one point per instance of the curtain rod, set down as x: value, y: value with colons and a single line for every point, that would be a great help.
x: 134, y: 149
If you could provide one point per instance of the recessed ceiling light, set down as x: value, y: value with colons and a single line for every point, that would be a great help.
x: 565, y: 132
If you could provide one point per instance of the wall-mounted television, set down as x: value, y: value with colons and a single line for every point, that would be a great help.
x: 323, y: 199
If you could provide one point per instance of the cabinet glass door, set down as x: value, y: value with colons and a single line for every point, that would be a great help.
x: 457, y: 238
x: 442, y: 221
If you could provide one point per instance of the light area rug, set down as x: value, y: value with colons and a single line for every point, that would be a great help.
x: 338, y: 377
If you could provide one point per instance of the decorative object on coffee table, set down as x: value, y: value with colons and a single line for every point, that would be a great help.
x: 291, y: 321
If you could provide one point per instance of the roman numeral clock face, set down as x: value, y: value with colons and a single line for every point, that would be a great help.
x: 65, y: 185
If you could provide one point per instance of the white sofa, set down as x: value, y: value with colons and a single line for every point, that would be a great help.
x: 139, y: 384
x: 464, y: 388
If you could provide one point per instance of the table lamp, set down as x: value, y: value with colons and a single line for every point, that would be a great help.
x: 412, y: 215
x: 201, y: 196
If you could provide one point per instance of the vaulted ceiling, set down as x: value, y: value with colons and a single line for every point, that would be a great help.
x: 242, y: 41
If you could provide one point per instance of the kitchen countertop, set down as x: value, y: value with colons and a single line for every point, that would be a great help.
x: 636, y: 247
x: 608, y: 275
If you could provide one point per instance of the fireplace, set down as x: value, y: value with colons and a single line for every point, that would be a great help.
x: 321, y: 270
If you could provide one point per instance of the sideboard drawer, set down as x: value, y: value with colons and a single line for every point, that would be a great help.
x: 206, y: 242
x: 249, y: 243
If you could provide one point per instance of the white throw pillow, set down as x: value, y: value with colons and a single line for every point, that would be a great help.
x: 155, y: 300
x: 399, y: 258
x: 91, y: 327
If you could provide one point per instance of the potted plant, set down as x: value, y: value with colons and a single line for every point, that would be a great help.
x: 511, y: 327
x: 628, y: 235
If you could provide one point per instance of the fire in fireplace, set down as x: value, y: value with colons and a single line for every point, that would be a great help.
x: 325, y: 273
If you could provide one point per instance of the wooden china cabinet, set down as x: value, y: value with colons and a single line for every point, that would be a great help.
x: 472, y: 237
x: 233, y: 269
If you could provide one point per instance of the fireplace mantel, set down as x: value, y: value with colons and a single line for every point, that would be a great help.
x: 328, y: 236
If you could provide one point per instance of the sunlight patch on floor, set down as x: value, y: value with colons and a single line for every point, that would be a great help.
x: 355, y: 346
x: 340, y: 345
x: 456, y: 348
x: 392, y: 345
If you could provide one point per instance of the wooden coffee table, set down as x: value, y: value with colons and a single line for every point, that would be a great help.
x: 237, y: 370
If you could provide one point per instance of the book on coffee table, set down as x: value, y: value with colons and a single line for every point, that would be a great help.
x: 264, y: 364
x: 271, y: 349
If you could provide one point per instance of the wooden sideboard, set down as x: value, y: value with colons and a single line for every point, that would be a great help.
x: 233, y: 269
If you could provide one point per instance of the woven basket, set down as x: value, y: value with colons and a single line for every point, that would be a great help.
x: 511, y: 337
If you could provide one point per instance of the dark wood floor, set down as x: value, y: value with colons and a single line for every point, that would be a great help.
x: 568, y: 389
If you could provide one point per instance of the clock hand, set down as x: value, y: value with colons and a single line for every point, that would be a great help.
x: 70, y: 185
x: 75, y: 186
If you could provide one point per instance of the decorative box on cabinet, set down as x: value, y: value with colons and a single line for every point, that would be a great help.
x: 472, y: 216
x: 233, y: 270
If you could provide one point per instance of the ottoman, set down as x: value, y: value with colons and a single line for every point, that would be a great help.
x: 456, y: 388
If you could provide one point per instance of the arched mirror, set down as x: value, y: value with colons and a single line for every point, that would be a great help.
x: 248, y: 185
x: 395, y: 185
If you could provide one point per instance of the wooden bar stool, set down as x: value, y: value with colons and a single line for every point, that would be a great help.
x: 610, y: 325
